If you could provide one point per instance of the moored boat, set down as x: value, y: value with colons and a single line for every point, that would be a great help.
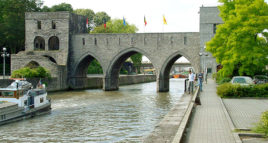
x: 19, y: 100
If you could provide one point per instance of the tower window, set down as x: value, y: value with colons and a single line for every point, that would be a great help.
x: 83, y: 40
x: 185, y: 40
x: 53, y: 24
x: 215, y: 28
x: 38, y: 24
x: 95, y: 41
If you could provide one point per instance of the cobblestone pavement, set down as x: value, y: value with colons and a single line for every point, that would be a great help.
x: 245, y: 113
x: 209, y: 123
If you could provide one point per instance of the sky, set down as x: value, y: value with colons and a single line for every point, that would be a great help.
x: 181, y: 15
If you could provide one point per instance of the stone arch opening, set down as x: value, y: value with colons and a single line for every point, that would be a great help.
x: 118, y: 63
x: 53, y: 43
x: 166, y: 72
x: 32, y: 64
x: 87, y: 67
x: 39, y: 43
x: 51, y: 59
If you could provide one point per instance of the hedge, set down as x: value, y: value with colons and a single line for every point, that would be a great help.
x: 235, y: 90
x: 27, y: 72
x: 262, y: 126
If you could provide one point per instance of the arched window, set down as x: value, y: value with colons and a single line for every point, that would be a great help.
x: 32, y: 64
x: 53, y: 43
x: 39, y: 43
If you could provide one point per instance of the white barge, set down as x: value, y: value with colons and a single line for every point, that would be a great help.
x: 19, y: 101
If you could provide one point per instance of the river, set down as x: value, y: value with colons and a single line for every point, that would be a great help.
x: 126, y: 115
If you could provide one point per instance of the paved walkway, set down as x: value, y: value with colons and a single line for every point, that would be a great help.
x: 209, y: 123
x: 245, y: 113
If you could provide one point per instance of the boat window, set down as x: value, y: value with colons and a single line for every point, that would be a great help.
x: 7, y: 93
x: 41, y: 100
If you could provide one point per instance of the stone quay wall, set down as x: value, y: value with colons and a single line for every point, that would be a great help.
x: 54, y: 84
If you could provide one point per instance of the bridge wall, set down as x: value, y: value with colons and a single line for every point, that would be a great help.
x: 111, y: 50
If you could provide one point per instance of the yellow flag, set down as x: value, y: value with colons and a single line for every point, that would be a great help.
x: 164, y: 20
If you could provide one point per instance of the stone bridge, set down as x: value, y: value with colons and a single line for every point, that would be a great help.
x: 112, y: 50
x: 59, y: 42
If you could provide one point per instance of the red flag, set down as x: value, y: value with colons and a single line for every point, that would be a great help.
x: 87, y: 22
x: 104, y: 24
x: 145, y: 22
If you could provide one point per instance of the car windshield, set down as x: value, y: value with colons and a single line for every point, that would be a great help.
x: 239, y: 80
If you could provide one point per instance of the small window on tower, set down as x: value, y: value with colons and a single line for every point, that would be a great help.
x: 185, y: 40
x: 214, y: 28
x: 83, y: 40
x: 95, y: 41
x: 53, y: 24
x: 39, y: 24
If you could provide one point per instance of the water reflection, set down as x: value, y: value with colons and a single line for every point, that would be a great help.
x: 98, y: 116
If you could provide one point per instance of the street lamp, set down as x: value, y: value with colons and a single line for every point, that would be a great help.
x: 204, y: 54
x: 4, y: 55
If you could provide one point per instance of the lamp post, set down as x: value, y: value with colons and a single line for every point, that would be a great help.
x: 202, y: 60
x: 4, y: 55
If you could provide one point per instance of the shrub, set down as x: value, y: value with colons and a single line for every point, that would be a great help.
x: 224, y: 80
x: 236, y: 90
x: 30, y: 73
x: 262, y: 126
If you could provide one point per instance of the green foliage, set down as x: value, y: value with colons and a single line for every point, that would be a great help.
x: 262, y: 126
x: 12, y: 24
x: 236, y: 44
x: 223, y: 80
x: 100, y: 17
x: 27, y: 72
x: 89, y: 14
x: 116, y: 26
x: 62, y: 7
x: 94, y: 67
x: 136, y: 59
x: 235, y: 90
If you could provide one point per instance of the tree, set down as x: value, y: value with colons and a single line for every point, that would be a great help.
x: 62, y: 7
x: 115, y: 26
x: 95, y: 67
x: 137, y: 58
x: 100, y: 17
x: 236, y: 44
x: 12, y: 22
x: 89, y: 14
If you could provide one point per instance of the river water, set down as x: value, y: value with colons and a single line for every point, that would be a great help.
x: 126, y: 115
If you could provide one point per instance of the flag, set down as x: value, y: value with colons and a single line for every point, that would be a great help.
x: 104, y: 23
x: 124, y: 21
x: 87, y: 23
x: 164, y: 20
x: 40, y: 85
x: 145, y: 22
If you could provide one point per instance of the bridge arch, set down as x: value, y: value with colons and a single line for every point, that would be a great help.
x: 164, y: 74
x: 111, y: 79
x: 78, y: 76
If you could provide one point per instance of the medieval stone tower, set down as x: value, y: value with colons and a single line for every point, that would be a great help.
x: 47, y: 41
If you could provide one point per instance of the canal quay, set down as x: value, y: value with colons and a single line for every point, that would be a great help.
x: 127, y: 115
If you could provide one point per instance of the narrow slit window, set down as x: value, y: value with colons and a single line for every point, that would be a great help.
x: 95, y: 41
x: 53, y: 24
x: 39, y: 24
x: 214, y: 28
x: 185, y: 40
x: 83, y: 40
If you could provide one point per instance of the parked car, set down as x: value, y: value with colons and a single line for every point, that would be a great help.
x: 242, y: 80
x: 260, y: 79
